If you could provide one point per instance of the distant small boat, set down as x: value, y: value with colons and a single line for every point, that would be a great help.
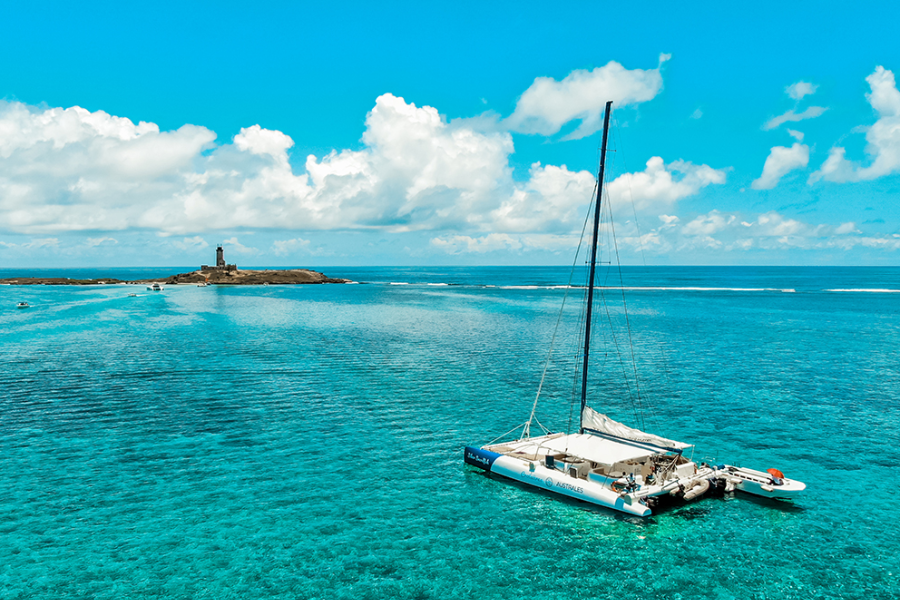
x: 203, y: 284
x: 155, y: 287
x: 132, y: 295
x: 22, y: 305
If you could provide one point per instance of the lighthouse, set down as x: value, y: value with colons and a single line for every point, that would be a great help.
x: 220, y: 262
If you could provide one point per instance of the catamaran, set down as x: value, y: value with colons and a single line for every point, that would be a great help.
x: 608, y: 463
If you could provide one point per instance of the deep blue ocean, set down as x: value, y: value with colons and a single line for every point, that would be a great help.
x: 306, y: 441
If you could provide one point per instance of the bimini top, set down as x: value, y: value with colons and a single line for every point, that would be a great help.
x: 594, y: 448
x: 605, y: 442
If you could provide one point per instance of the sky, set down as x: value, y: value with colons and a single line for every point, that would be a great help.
x: 464, y: 133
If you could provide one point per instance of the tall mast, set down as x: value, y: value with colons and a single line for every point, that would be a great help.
x: 590, y: 298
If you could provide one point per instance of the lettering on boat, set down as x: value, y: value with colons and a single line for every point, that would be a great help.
x: 570, y: 487
x: 534, y: 479
x: 549, y: 483
x: 478, y: 457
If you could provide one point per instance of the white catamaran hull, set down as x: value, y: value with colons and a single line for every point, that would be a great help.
x: 559, y: 483
x: 600, y: 493
x: 692, y: 483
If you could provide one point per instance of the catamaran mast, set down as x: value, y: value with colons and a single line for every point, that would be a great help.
x: 590, y: 297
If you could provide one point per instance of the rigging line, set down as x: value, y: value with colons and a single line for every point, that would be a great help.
x: 527, y: 431
x: 506, y: 434
x: 635, y: 407
x: 576, y: 371
x: 637, y: 384
x: 641, y: 244
x: 611, y: 337
x: 630, y: 193
x: 541, y: 425
x: 665, y: 362
x: 615, y: 341
x: 635, y: 396
x: 576, y: 366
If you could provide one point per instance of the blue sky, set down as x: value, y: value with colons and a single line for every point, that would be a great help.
x: 462, y: 133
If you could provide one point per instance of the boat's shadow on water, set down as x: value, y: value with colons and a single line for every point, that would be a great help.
x: 565, y: 500
x: 667, y: 507
x: 707, y: 504
x: 785, y: 506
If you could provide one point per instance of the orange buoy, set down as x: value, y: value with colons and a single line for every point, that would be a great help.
x: 775, y: 473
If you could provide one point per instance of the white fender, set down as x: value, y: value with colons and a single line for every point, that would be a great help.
x: 699, y: 488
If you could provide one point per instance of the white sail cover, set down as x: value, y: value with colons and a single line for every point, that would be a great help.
x: 591, y: 419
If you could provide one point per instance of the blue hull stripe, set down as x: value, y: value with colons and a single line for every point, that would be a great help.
x: 478, y: 457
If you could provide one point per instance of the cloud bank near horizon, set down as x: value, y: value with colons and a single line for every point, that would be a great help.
x: 72, y: 171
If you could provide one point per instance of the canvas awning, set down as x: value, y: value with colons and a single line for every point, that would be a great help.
x: 600, y: 450
x: 585, y: 446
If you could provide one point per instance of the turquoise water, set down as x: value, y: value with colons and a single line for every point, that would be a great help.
x: 306, y: 441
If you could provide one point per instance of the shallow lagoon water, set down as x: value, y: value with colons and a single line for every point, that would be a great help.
x: 306, y: 441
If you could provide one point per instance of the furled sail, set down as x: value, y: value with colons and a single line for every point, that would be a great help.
x: 594, y: 421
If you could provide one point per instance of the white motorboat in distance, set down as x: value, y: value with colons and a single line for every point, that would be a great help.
x: 608, y: 463
x: 22, y: 305
x: 155, y: 287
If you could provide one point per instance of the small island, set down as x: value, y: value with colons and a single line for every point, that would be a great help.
x: 220, y: 274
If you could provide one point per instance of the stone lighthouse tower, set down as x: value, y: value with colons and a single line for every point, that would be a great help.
x: 220, y: 262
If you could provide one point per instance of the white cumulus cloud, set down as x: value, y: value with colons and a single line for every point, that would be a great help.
x: 883, y: 137
x: 191, y: 243
x: 800, y: 89
x: 293, y: 246
x: 100, y: 241
x: 33, y: 243
x: 780, y: 162
x: 548, y: 104
x: 791, y: 116
x: 708, y: 224
x: 263, y: 141
x: 553, y: 200
x: 669, y: 220
x: 660, y: 185
x: 729, y: 232
x: 849, y: 227
x: 71, y: 170
x: 233, y: 245
x: 797, y: 91
x: 459, y: 244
